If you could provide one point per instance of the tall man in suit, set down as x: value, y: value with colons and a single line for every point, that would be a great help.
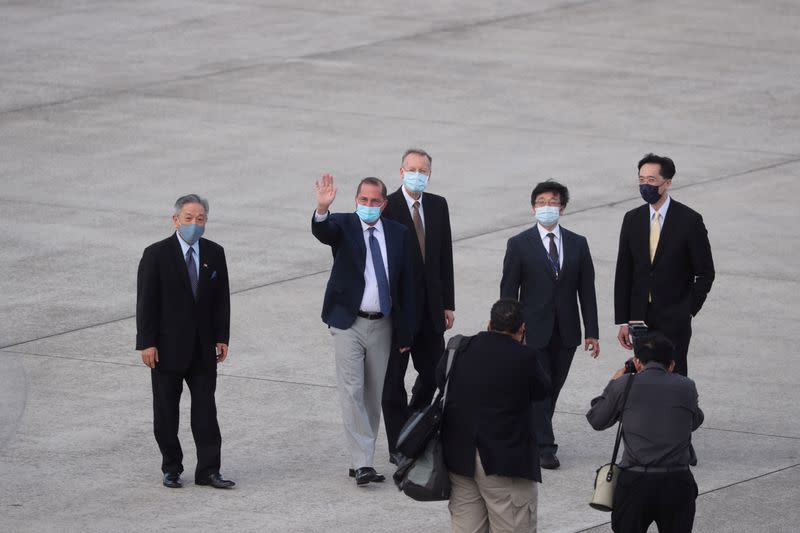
x: 487, y: 430
x: 182, y: 329
x: 427, y: 217
x: 369, y: 299
x: 664, y: 264
x: 549, y: 269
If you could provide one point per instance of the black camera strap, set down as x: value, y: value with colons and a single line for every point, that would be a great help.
x: 619, y: 424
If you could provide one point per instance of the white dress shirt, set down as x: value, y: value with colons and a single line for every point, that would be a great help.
x: 185, y: 247
x: 370, y: 300
x: 410, y: 201
x: 546, y: 242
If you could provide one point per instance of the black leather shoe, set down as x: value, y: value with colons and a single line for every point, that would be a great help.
x: 366, y: 474
x: 216, y: 481
x: 395, y: 458
x: 172, y: 481
x: 549, y: 461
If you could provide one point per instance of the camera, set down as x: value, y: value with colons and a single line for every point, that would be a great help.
x: 636, y: 328
x: 630, y: 368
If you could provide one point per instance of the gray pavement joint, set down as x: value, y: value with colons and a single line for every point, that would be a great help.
x: 143, y: 91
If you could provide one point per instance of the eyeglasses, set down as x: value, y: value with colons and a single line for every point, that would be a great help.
x: 549, y: 203
x: 650, y: 180
x: 425, y: 171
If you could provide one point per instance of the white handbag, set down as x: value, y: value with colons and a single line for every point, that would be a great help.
x: 605, y: 480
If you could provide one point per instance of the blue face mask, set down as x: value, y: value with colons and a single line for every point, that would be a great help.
x: 415, y: 181
x: 368, y: 214
x: 191, y: 233
x: 547, y: 215
x: 649, y: 193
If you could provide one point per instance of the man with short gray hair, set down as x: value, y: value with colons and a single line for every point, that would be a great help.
x: 182, y: 330
x: 427, y: 218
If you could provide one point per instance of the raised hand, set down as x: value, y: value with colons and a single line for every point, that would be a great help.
x: 326, y: 193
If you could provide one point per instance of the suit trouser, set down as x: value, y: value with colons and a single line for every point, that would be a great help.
x: 362, y: 354
x: 642, y: 498
x: 680, y: 333
x: 167, y: 389
x: 557, y: 364
x: 499, y: 504
x: 425, y: 353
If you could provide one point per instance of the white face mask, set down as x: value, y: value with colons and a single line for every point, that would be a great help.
x: 547, y: 215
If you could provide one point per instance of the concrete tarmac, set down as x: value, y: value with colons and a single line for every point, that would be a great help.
x: 111, y: 110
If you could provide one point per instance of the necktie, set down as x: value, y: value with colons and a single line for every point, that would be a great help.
x: 380, y: 274
x: 190, y: 265
x: 554, y: 254
x: 420, y: 229
x: 655, y: 233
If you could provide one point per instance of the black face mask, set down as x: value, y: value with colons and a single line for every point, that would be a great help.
x: 649, y: 193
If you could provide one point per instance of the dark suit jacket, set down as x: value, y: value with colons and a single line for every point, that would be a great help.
x: 493, y: 383
x: 167, y: 315
x: 436, y: 272
x: 681, y: 273
x: 528, y: 276
x: 343, y: 232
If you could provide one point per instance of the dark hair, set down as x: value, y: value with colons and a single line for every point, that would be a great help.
x: 372, y: 181
x: 418, y: 151
x: 667, y: 165
x: 506, y: 316
x: 654, y: 346
x: 553, y: 187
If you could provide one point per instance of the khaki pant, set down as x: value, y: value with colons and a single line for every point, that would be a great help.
x: 496, y: 504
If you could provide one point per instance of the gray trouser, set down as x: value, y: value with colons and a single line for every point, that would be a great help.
x: 362, y: 354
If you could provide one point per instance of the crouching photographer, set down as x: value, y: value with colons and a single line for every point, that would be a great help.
x: 658, y: 418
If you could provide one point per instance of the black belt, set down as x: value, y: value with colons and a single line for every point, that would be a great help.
x: 370, y: 316
x: 657, y: 469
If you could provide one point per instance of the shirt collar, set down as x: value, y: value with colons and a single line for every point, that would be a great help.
x: 662, y: 211
x: 378, y: 226
x: 185, y: 246
x: 654, y: 365
x: 555, y: 231
x: 410, y: 199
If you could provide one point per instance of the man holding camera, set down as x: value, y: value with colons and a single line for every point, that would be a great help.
x: 658, y: 418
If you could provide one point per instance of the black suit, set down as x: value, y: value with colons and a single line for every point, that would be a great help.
x: 493, y: 383
x: 677, y: 281
x: 550, y: 307
x: 185, y: 332
x: 434, y: 286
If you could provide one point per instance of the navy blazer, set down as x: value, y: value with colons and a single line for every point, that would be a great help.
x: 529, y: 277
x: 680, y: 276
x: 344, y: 234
